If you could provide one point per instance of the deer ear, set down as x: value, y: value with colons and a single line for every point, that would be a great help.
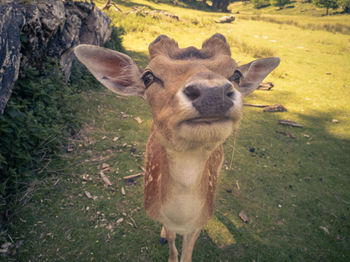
x: 255, y: 72
x: 116, y: 71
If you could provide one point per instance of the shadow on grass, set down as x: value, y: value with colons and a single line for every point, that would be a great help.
x: 188, y: 5
x: 296, y: 191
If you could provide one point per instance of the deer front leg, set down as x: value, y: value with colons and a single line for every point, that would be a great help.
x: 170, y: 237
x: 188, y: 244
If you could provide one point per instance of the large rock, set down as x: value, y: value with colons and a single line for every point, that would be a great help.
x: 85, y: 24
x: 11, y: 24
x: 31, y: 31
x: 44, y: 22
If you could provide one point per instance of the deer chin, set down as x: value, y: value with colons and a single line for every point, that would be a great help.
x: 200, y: 131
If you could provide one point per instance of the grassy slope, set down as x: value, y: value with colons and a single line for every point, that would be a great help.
x: 312, y: 17
x: 294, y: 8
x: 288, y: 187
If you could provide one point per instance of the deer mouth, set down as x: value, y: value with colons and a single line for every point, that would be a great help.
x: 207, y: 120
x: 205, y: 130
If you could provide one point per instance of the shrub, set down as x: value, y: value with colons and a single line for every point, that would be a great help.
x: 39, y: 117
x: 326, y: 4
x: 221, y: 4
x: 279, y: 3
x: 345, y: 4
x: 260, y: 3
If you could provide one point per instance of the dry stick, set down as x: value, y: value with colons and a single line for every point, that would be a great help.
x: 289, y: 123
x: 235, y: 132
x: 117, y: 8
x: 109, y: 3
x: 252, y: 105
x: 133, y: 176
x: 237, y: 184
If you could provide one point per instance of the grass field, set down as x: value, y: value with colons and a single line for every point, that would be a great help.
x: 296, y: 191
x: 312, y: 17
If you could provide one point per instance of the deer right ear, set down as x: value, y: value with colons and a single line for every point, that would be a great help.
x: 255, y: 72
x: 116, y: 71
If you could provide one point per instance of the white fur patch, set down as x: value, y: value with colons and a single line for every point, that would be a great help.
x: 183, y: 205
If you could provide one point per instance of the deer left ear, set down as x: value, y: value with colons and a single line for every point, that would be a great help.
x: 255, y: 72
x: 115, y: 70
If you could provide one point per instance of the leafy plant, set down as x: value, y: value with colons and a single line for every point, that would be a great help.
x: 37, y: 118
x: 221, y: 4
x: 279, y: 3
x: 345, y: 4
x: 326, y: 4
x: 41, y: 114
x: 260, y: 3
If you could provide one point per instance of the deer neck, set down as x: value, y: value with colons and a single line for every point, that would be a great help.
x: 180, y: 186
x: 184, y: 193
x: 186, y: 169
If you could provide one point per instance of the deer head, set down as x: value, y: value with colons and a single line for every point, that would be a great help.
x: 195, y: 95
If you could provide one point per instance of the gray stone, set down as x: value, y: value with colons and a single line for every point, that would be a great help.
x: 11, y: 23
x: 32, y: 30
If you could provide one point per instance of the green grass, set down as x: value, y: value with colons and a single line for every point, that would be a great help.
x: 305, y: 16
x: 291, y: 189
x: 296, y: 7
x: 334, y: 27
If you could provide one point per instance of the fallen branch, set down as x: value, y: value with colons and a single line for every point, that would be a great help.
x: 237, y: 184
x: 275, y: 108
x: 105, y: 179
x: 133, y: 222
x: 257, y: 105
x: 265, y: 86
x: 108, y: 5
x: 289, y: 123
x: 133, y: 176
x: 285, y: 134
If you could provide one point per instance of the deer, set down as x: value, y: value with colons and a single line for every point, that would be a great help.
x: 196, y: 100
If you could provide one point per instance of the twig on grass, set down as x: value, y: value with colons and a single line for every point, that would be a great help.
x: 255, y: 105
x: 289, y: 123
x: 133, y: 176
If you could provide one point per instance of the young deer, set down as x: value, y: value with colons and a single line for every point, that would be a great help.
x: 195, y: 96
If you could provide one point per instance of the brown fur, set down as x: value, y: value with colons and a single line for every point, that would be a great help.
x: 157, y: 172
x: 184, y: 152
x: 212, y: 62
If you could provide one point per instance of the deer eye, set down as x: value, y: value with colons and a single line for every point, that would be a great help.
x: 236, y: 77
x: 147, y: 78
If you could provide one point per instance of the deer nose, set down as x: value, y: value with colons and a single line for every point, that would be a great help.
x: 215, y: 100
x: 192, y: 92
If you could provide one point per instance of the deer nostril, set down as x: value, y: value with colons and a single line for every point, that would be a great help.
x: 231, y: 94
x: 192, y: 92
x: 229, y: 91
